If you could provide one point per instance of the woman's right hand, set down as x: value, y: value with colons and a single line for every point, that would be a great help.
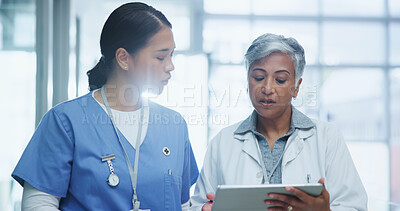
x: 207, y: 206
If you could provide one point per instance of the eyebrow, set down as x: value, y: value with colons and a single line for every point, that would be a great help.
x: 282, y: 71
x: 166, y: 49
x: 259, y: 69
x: 276, y: 72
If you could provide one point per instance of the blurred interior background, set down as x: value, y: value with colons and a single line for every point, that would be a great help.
x: 352, y: 77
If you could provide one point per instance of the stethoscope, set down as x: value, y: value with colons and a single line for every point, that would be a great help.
x: 113, y: 179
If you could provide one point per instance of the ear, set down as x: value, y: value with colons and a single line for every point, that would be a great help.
x: 122, y: 58
x: 296, y: 91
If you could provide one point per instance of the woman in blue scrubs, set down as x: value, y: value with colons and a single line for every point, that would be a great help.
x: 111, y: 149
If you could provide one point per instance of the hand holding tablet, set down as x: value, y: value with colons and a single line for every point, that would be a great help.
x: 208, y: 206
x: 299, y: 200
x: 270, y: 197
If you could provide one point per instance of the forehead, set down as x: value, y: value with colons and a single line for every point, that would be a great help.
x: 275, y: 61
x: 163, y: 39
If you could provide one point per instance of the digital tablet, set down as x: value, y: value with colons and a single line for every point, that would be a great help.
x: 252, y: 197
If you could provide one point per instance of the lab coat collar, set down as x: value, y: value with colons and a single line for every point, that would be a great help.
x: 302, y: 125
x: 293, y: 147
x: 250, y: 146
x: 295, y: 144
x: 298, y: 121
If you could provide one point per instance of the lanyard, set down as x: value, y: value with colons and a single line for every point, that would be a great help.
x: 132, y: 172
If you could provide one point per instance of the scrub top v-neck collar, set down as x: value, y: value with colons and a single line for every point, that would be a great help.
x: 122, y: 128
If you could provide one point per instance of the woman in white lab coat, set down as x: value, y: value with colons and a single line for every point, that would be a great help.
x: 277, y: 144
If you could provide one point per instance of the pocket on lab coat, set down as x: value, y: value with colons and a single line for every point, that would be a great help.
x: 173, y: 190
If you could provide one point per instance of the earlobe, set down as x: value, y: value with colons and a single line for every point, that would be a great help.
x: 122, y: 58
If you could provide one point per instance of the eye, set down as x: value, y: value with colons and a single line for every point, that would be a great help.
x: 258, y: 78
x: 280, y: 81
x: 161, y: 58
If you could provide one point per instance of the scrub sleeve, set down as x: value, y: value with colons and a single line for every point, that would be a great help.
x: 46, y: 161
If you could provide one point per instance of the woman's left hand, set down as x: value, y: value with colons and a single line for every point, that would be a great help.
x: 301, y: 202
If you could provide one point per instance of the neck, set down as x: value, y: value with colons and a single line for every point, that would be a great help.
x: 121, y: 95
x: 280, y: 125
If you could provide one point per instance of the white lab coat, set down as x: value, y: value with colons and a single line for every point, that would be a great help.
x: 320, y: 151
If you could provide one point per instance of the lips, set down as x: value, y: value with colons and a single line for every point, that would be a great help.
x: 165, y: 82
x: 267, y: 102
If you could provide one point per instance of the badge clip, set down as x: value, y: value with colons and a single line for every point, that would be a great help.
x: 108, y: 157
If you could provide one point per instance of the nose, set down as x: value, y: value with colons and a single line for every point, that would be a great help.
x: 267, y: 88
x: 169, y: 66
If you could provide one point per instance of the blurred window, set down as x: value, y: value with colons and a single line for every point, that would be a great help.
x: 18, y: 83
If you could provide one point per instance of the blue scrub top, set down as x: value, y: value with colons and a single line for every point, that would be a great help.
x: 63, y: 158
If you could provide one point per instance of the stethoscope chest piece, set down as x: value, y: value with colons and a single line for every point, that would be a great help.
x: 113, y: 180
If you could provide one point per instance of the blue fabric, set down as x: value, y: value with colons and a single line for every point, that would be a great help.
x: 63, y: 158
x: 274, y: 158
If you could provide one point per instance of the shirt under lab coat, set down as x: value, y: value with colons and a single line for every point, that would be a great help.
x: 310, y: 154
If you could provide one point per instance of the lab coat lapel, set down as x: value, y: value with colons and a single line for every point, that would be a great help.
x: 295, y: 144
x: 250, y: 146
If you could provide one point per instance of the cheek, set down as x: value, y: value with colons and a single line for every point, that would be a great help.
x: 254, y: 92
x: 252, y: 89
x: 285, y: 93
x: 147, y: 74
x: 155, y: 72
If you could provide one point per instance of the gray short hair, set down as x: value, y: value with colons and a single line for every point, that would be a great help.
x: 267, y: 44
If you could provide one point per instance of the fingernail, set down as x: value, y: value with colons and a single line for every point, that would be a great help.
x: 267, y: 202
x: 288, y: 188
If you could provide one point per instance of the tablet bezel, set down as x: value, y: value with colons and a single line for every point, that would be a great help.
x: 251, y: 197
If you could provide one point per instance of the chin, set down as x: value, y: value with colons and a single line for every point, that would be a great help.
x: 160, y: 90
x: 270, y: 113
x: 267, y: 113
x: 154, y: 90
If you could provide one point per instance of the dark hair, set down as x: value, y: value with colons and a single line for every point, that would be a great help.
x: 130, y: 26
